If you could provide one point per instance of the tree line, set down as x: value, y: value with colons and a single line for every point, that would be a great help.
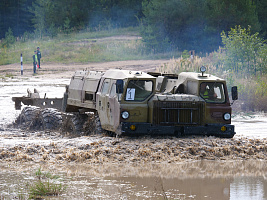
x: 70, y: 15
x: 197, y: 24
x: 165, y: 24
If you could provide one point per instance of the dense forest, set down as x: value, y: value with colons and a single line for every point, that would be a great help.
x: 165, y: 24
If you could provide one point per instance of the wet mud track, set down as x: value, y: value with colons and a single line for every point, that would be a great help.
x: 52, y: 147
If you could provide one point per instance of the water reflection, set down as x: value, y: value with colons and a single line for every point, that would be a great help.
x: 206, y: 181
x: 251, y: 188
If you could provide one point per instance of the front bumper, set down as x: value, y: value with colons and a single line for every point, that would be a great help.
x: 219, y: 130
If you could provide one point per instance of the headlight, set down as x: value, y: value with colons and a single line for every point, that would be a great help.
x: 125, y: 115
x: 227, y: 116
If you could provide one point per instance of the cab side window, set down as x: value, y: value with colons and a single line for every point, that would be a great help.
x: 212, y: 92
x: 113, y: 90
x: 138, y: 90
x: 116, y: 88
x: 105, y: 86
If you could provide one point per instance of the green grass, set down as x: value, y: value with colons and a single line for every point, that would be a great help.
x: 46, y: 185
x: 83, y: 47
x: 6, y: 76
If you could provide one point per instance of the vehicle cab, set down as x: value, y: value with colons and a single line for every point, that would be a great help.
x: 213, y: 91
x: 123, y: 96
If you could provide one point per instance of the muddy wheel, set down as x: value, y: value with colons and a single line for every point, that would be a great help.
x: 118, y: 131
x: 116, y: 134
x: 29, y: 118
x: 98, y: 128
x: 51, y: 119
x: 74, y: 124
x: 90, y: 124
x: 93, y: 125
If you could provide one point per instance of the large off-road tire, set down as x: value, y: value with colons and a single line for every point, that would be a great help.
x: 98, y: 128
x: 93, y: 126
x: 89, y: 125
x: 74, y: 124
x: 64, y: 103
x: 118, y: 132
x: 51, y: 119
x: 29, y: 118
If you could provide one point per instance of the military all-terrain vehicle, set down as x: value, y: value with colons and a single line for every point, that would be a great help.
x: 134, y: 102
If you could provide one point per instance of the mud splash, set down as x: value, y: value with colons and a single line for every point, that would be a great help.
x: 53, y: 147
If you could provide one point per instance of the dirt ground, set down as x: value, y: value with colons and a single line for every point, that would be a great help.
x: 50, y: 70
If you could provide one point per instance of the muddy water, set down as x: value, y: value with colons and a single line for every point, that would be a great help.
x: 100, y: 177
x: 251, y: 125
x: 194, y: 180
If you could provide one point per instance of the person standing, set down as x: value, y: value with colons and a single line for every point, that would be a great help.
x: 39, y: 56
x: 34, y: 58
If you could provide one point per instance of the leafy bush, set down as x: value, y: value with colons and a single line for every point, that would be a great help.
x: 52, y: 31
x: 245, y: 52
x: 9, y: 38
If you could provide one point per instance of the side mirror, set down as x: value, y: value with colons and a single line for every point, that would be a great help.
x: 234, y: 93
x: 119, y: 86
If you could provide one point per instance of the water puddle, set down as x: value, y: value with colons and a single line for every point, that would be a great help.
x: 251, y: 126
x: 194, y: 180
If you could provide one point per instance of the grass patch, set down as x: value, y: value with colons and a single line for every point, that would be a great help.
x: 6, y: 76
x: 83, y: 47
x: 46, y: 185
x: 9, y: 75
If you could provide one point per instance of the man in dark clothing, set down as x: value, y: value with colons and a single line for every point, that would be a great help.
x: 34, y: 58
x: 39, y: 56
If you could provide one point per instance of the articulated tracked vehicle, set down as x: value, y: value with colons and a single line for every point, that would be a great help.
x: 134, y: 102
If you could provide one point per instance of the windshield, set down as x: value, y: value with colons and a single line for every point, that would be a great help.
x: 138, y: 90
x: 212, y: 92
